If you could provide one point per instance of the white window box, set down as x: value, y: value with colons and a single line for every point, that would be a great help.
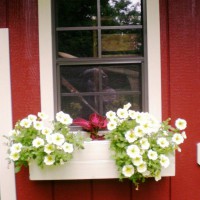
x: 94, y: 162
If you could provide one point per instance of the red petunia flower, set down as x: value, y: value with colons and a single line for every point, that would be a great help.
x: 96, y: 122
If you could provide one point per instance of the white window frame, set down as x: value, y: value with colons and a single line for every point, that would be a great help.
x: 7, y: 175
x: 46, y: 68
x: 153, y: 51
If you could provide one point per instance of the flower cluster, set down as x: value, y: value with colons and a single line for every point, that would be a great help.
x: 141, y: 144
x: 47, y: 142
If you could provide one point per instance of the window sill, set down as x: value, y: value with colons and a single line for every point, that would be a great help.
x: 94, y: 162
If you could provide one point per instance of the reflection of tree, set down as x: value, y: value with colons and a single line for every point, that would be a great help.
x: 73, y: 13
x: 121, y: 12
x: 82, y: 42
x: 82, y: 13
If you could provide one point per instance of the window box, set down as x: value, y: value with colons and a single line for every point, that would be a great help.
x: 94, y: 162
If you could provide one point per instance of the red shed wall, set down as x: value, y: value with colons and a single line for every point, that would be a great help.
x: 180, y: 48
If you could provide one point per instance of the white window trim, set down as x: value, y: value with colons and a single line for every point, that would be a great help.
x: 7, y: 175
x: 154, y: 59
x: 46, y: 77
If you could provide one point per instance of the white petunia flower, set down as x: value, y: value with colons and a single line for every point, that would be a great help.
x: 42, y: 116
x: 49, y: 160
x: 142, y: 167
x: 146, y: 173
x: 66, y: 119
x: 141, y: 118
x: 111, y: 125
x: 17, y: 147
x: 49, y: 138
x: 139, y: 131
x: 137, y: 161
x: 180, y: 124
x: 122, y: 113
x: 59, y: 116
x: 132, y: 114
x: 130, y: 136
x: 184, y: 135
x: 38, y: 125
x: 164, y: 161
x: 111, y: 115
x: 144, y: 143
x: 14, y: 156
x: 152, y: 155
x: 38, y: 142
x: 127, y: 106
x: 162, y: 142
x: 68, y: 147
x: 32, y: 118
x: 155, y: 124
x: 128, y: 170
x: 133, y: 151
x: 46, y: 131
x: 158, y: 177
x: 147, y: 127
x: 49, y: 148
x: 177, y: 138
x: 58, y: 139
x: 26, y: 123
x: 14, y: 133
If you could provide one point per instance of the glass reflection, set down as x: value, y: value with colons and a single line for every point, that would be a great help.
x: 120, y: 12
x: 85, y: 90
x: 122, y: 43
x: 76, y: 13
x: 78, y: 43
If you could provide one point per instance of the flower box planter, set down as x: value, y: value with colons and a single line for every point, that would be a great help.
x: 94, y: 162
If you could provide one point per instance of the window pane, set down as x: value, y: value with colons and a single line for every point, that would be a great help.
x: 122, y: 43
x: 78, y: 43
x: 117, y: 12
x: 76, y: 13
x: 88, y: 89
x: 77, y: 106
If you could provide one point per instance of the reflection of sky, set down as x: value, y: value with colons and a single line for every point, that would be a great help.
x: 130, y: 6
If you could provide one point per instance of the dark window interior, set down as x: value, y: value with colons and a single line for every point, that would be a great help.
x: 100, y: 55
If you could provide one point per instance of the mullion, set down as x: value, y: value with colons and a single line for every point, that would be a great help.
x: 99, y: 93
x: 98, y: 27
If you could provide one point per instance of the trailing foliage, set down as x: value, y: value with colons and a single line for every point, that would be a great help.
x: 141, y: 145
x: 46, y: 142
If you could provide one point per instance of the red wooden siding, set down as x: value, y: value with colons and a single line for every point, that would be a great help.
x: 184, y: 48
x: 180, y: 57
x: 22, y: 21
x: 3, y: 16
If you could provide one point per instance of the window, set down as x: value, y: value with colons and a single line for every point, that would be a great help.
x: 100, y: 55
x: 47, y: 70
x: 107, y: 60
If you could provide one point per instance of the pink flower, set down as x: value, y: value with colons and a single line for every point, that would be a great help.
x: 96, y: 122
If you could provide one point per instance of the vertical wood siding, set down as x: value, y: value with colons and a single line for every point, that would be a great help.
x: 22, y: 21
x: 180, y: 50
x: 3, y: 14
x: 184, y: 48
